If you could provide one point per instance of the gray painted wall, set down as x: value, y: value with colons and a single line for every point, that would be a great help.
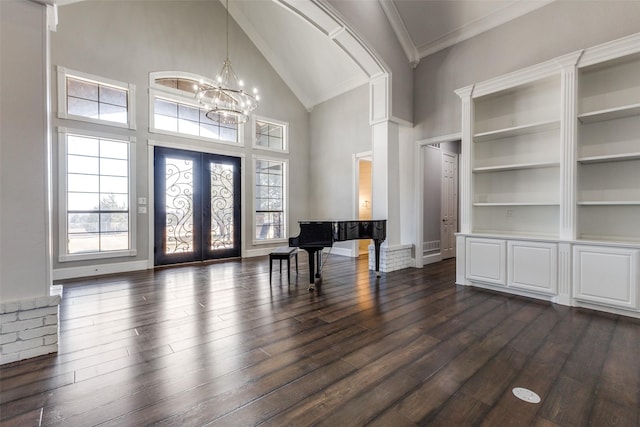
x: 432, y: 187
x: 559, y: 28
x: 368, y: 18
x: 126, y: 40
x: 339, y: 128
x: 432, y: 163
x: 408, y: 202
x: 24, y: 266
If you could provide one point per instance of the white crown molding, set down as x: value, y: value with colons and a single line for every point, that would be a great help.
x: 610, y: 50
x: 500, y: 16
x: 523, y: 76
x: 317, y: 16
x: 464, y: 92
x: 409, y: 47
x: 352, y: 42
x: 519, y: 77
x: 359, y: 52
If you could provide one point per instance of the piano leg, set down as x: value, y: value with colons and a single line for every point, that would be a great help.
x: 318, y: 263
x: 376, y: 244
x: 312, y: 267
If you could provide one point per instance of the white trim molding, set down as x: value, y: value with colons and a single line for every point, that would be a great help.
x: 63, y: 255
x: 129, y: 88
x: 95, y: 270
x: 409, y: 47
x: 422, y: 260
x: 510, y: 11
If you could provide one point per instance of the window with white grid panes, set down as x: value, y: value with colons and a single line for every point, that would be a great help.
x: 270, y: 213
x: 186, y: 119
x: 96, y: 217
x: 95, y: 99
x: 270, y: 134
x: 174, y: 111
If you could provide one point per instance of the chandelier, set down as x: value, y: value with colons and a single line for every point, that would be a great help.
x: 224, y: 98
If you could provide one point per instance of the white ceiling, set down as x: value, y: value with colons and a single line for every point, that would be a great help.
x: 310, y: 62
x: 309, y: 56
x: 317, y: 69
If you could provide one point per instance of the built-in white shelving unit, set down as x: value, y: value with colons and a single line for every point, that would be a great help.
x: 610, y: 113
x: 550, y: 180
x: 516, y: 159
x: 516, y: 130
x: 608, y: 179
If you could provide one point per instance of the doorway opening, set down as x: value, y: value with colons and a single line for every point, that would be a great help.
x: 364, y: 199
x: 440, y: 199
x: 196, y: 205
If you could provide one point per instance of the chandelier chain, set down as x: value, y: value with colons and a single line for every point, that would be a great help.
x: 225, y: 99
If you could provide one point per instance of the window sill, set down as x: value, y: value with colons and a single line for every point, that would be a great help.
x: 269, y: 241
x: 96, y: 255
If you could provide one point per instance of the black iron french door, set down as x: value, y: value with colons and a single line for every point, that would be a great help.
x: 197, y: 206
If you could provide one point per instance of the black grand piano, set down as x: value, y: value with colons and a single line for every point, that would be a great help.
x: 316, y: 235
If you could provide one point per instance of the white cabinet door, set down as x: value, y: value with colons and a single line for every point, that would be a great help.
x: 486, y: 260
x: 606, y: 276
x: 533, y: 266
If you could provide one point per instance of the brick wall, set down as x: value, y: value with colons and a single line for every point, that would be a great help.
x: 392, y: 258
x: 28, y: 328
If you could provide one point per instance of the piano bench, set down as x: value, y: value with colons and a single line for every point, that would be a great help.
x: 283, y: 252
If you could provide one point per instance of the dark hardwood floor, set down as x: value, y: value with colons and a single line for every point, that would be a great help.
x: 216, y: 345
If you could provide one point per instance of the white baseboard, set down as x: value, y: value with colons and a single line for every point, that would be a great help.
x: 266, y: 251
x: 123, y: 267
x: 96, y: 270
x: 339, y: 251
x: 430, y: 259
x: 251, y: 253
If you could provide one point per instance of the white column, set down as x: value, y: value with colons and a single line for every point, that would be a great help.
x: 385, y: 171
x: 568, y: 172
x: 565, y: 273
x: 568, y: 144
x: 466, y: 184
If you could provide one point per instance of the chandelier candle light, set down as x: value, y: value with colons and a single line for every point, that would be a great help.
x: 225, y: 98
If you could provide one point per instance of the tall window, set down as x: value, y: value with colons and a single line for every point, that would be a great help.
x: 270, y: 134
x: 95, y: 99
x: 270, y: 182
x: 96, y: 219
x: 174, y: 111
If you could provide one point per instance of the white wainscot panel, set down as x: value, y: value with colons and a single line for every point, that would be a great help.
x: 485, y: 260
x: 607, y: 276
x: 533, y: 266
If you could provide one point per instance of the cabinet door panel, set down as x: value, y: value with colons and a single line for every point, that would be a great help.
x: 533, y: 266
x: 486, y: 260
x: 606, y: 276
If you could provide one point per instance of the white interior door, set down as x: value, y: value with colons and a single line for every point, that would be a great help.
x: 449, y: 205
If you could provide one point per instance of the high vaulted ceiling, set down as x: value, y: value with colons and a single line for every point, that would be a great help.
x: 316, y: 68
x: 311, y: 58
